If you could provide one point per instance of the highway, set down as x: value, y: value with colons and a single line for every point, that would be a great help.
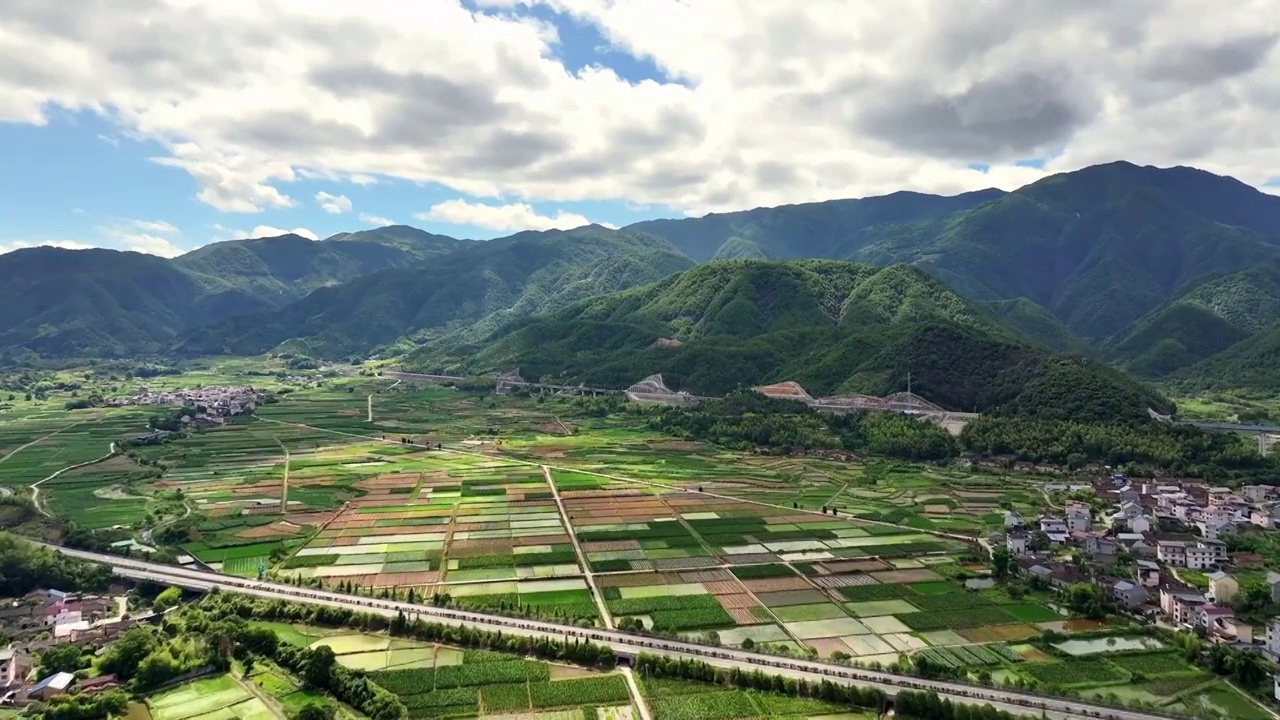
x: 624, y: 644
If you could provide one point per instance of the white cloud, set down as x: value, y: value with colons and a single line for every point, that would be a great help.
x: 334, y: 204
x: 771, y: 102
x: 266, y: 231
x: 10, y: 246
x: 518, y: 216
x: 376, y: 220
x: 155, y: 226
x: 144, y: 236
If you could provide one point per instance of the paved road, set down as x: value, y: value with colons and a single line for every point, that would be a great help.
x: 623, y: 643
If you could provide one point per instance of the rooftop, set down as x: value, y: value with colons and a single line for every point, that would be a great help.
x: 57, y: 681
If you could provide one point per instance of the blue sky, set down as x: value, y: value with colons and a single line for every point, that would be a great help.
x: 81, y: 179
x: 164, y: 130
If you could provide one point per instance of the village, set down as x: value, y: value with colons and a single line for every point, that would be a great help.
x: 47, y: 618
x: 212, y: 404
x: 1158, y: 550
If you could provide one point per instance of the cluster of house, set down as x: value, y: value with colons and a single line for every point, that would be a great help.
x: 43, y: 619
x: 214, y: 403
x: 1148, y: 582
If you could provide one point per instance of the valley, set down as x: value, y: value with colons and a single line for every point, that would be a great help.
x: 947, y: 438
x: 583, y: 510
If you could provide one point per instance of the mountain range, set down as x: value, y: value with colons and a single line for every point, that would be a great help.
x: 1167, y: 274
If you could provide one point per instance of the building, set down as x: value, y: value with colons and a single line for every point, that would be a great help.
x: 1199, y: 555
x: 1148, y: 574
x: 1129, y: 595
x: 1012, y: 519
x: 1172, y: 552
x: 1079, y: 517
x: 1256, y: 493
x: 1215, y: 529
x: 1273, y: 582
x: 14, y: 666
x: 1017, y: 542
x: 1206, y: 555
x: 1210, y: 615
x: 1098, y: 545
x: 1223, y: 587
x: 1181, y: 604
x: 1265, y: 517
x: 56, y: 684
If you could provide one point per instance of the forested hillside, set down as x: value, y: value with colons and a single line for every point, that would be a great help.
x: 286, y: 268
x: 462, y: 294
x: 833, y: 327
x: 1098, y: 248
x: 106, y: 303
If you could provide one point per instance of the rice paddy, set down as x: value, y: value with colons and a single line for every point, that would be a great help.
x: 520, y: 507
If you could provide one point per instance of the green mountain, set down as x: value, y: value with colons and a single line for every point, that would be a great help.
x: 285, y: 268
x: 832, y: 229
x: 1098, y: 248
x: 84, y: 303
x: 1200, y: 322
x: 1175, y: 337
x: 462, y: 294
x: 1252, y: 364
x: 834, y: 327
x: 1036, y: 324
x: 98, y: 302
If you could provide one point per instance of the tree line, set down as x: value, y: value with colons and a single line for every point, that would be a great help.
x: 746, y: 420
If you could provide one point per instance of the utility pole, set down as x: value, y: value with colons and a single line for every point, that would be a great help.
x: 908, y: 381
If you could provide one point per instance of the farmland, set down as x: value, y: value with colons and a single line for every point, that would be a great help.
x: 437, y: 681
x: 217, y: 698
x: 522, y: 507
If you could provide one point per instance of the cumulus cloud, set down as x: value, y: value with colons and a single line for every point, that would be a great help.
x: 153, y: 237
x: 517, y: 216
x: 266, y: 231
x: 761, y: 102
x: 376, y: 220
x: 334, y: 204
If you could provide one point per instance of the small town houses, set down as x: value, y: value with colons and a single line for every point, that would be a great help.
x: 214, y: 403
x: 46, y: 618
x: 1137, y: 565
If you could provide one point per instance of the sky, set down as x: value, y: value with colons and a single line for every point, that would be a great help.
x: 163, y: 125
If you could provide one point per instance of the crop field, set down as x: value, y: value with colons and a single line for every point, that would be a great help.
x: 39, y: 443
x: 478, y: 683
x: 678, y: 700
x: 218, y: 698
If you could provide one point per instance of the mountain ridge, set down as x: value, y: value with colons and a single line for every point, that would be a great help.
x: 832, y: 326
x: 1151, y: 269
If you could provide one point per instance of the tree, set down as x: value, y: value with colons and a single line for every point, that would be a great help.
x: 314, y: 711
x: 1087, y: 600
x: 168, y: 598
x: 318, y: 672
x: 62, y: 658
x: 125, y: 655
x: 1001, y: 561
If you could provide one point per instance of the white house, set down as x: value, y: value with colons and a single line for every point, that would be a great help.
x: 1222, y: 587
x: 1079, y: 517
x: 1206, y: 555
x: 1271, y: 646
x: 1172, y: 552
x: 1017, y: 542
x: 1273, y: 582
